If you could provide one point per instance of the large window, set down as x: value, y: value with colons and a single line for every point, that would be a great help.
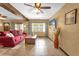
x: 38, y: 27
x: 19, y: 27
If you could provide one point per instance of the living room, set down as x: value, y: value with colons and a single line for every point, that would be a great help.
x: 39, y: 29
x: 25, y: 31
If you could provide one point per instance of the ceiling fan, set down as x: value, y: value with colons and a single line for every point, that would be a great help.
x: 38, y: 6
x: 3, y: 16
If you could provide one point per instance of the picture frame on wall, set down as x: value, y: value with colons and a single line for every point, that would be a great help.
x: 53, y: 23
x: 6, y: 26
x: 70, y: 17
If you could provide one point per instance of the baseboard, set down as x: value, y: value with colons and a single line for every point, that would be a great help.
x: 63, y: 51
x: 59, y: 47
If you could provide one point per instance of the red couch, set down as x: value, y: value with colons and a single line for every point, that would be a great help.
x: 11, y: 41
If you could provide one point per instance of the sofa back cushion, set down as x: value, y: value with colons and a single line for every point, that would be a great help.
x: 14, y: 32
x: 6, y: 32
x: 2, y: 34
x: 19, y: 32
x: 25, y: 33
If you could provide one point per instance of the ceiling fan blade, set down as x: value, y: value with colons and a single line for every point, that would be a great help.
x: 29, y: 5
x: 41, y: 11
x: 47, y: 7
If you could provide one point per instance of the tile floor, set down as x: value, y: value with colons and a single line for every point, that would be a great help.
x: 42, y: 47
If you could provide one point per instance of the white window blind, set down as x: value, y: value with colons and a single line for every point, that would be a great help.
x: 38, y: 27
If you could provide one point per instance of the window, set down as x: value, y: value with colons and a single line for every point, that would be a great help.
x: 38, y: 27
x: 19, y: 27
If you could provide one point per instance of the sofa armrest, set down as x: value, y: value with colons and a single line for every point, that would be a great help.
x: 7, y: 41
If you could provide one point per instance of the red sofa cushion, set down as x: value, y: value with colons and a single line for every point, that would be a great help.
x: 25, y: 33
x: 2, y: 34
x: 6, y: 32
x: 7, y: 41
x: 19, y: 32
x: 14, y: 32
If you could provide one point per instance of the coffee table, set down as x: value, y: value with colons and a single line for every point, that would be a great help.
x: 30, y: 39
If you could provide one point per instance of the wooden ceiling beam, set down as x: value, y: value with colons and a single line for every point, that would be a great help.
x: 12, y: 9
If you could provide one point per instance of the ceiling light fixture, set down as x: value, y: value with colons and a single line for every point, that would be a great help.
x: 38, y: 5
x: 37, y: 11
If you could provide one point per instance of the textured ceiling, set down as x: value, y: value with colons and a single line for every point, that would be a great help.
x: 28, y: 11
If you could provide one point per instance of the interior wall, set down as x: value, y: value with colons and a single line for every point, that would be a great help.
x: 1, y: 25
x: 20, y: 21
x: 69, y: 36
x: 40, y: 21
x: 25, y: 25
x: 51, y: 32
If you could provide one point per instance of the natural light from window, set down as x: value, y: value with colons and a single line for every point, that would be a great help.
x: 38, y: 27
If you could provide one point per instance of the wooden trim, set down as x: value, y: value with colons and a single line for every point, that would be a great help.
x: 64, y: 51
x: 8, y: 7
x: 15, y: 21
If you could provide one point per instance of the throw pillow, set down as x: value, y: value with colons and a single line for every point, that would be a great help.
x: 9, y: 35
